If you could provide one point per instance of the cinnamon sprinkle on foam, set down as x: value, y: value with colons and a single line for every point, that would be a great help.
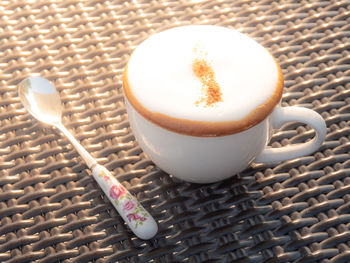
x: 205, y: 73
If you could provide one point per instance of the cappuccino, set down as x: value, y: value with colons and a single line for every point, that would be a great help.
x: 203, y: 101
x: 202, y: 81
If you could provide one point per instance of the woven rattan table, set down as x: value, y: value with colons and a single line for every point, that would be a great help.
x: 51, y: 210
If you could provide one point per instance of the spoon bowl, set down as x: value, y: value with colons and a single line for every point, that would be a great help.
x: 41, y: 100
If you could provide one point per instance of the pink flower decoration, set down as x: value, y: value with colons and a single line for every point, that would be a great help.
x: 116, y: 191
x: 128, y: 206
x: 106, y: 177
x: 134, y: 216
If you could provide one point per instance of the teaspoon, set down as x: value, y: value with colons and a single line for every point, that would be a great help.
x: 41, y: 99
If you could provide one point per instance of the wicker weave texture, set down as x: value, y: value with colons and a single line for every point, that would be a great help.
x: 51, y: 210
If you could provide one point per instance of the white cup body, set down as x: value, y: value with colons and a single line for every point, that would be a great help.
x: 199, y: 159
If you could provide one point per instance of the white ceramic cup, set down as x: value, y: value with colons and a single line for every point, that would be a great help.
x: 206, y: 157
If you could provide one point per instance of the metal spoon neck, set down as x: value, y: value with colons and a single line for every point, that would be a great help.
x: 90, y: 161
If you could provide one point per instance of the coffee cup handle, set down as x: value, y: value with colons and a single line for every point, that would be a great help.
x: 283, y: 115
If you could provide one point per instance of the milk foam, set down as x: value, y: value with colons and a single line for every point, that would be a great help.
x: 161, y: 78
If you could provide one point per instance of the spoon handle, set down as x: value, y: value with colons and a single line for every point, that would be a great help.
x: 133, y: 213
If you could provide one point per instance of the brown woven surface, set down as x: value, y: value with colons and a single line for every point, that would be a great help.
x: 51, y: 210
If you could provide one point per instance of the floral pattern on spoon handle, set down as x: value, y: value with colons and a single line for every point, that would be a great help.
x: 133, y: 213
